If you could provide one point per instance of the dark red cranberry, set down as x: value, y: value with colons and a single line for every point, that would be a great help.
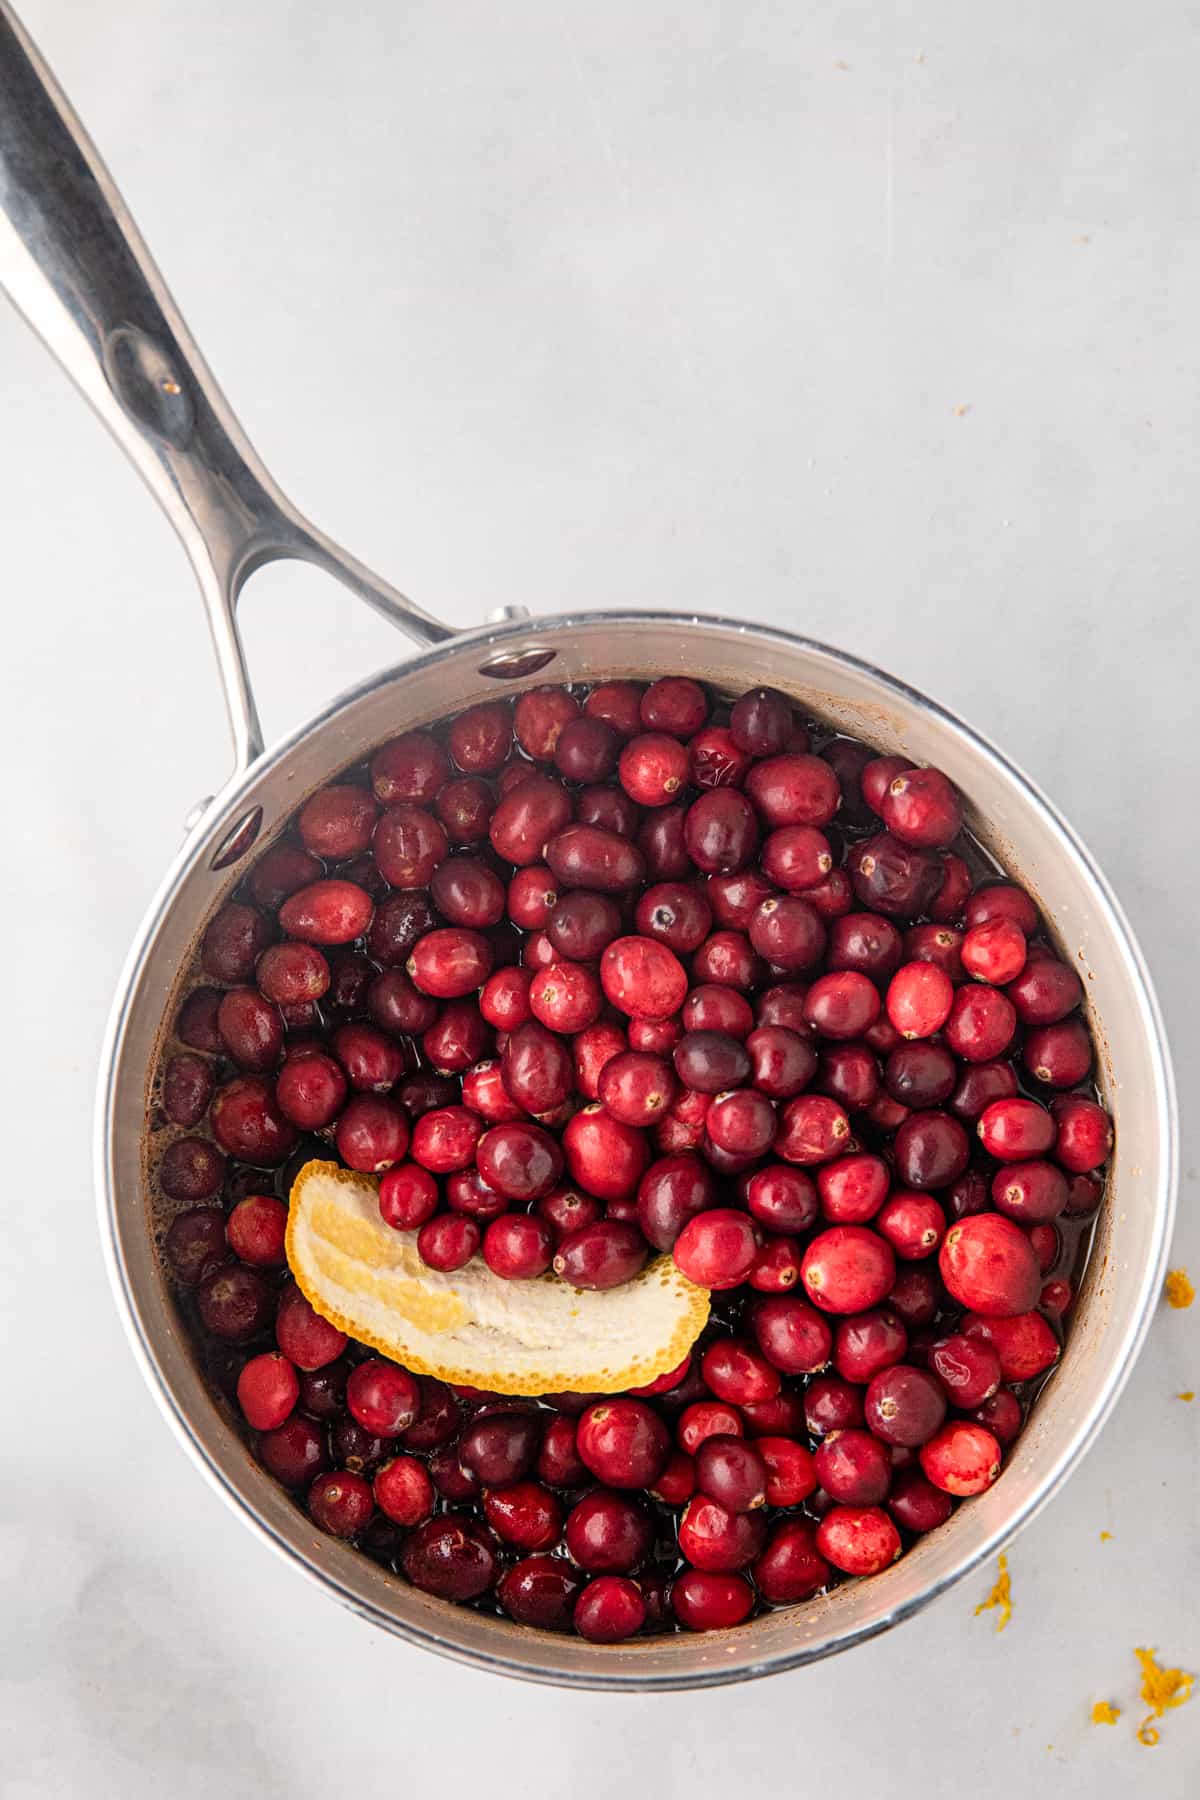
x: 704, y: 1419
x: 451, y: 1556
x: 636, y: 1088
x: 733, y: 1473
x: 796, y: 857
x: 195, y: 1243
x: 968, y: 1369
x: 501, y: 1447
x: 192, y: 1168
x: 618, y: 703
x: 920, y: 1074
x: 311, y: 1091
x: 623, y: 1442
x: 279, y: 871
x: 734, y: 1370
x: 931, y: 1150
x: 197, y: 1022
x: 673, y: 1190
x: 876, y: 776
x: 794, y: 789
x: 484, y: 1092
x: 235, y: 1303
x: 642, y: 978
x: 1045, y: 991
x: 464, y: 808
x: 519, y: 1160
x: 711, y: 1062
x: 848, y: 1269
x: 336, y: 822
x: 936, y: 944
x: 518, y: 1246
x: 467, y: 1192
x: 1084, y: 1133
x: 452, y: 1481
x: 979, y: 1085
x: 655, y: 1037
x: 715, y: 759
x: 734, y: 898
x: 788, y: 933
x: 450, y: 962
x: 524, y: 1515
x: 913, y: 1224
x: 793, y: 1338
x: 349, y: 976
x: 1059, y: 1055
x: 1047, y: 1245
x: 373, y: 1062
x: 849, y: 1074
x: 916, y: 1504
x: 1001, y: 900
x: 674, y: 704
x: 994, y: 952
x: 294, y: 1452
x: 481, y: 737
x: 1001, y: 1413
x: 437, y: 1420
x: 540, y: 717
x: 566, y: 997
x: 467, y: 892
x: 782, y: 1199
x: 383, y: 1397
x: 904, y: 1405
x: 777, y: 1266
x: 410, y: 767
x: 305, y: 1338
x: 559, y: 1463
x: 1084, y: 1193
x: 247, y: 1122
x: 813, y: 1129
x: 610, y: 808
x: 761, y: 722
x: 741, y: 1123
x: 255, y: 1230
x: 969, y: 1194
x: 922, y: 808
x: 327, y: 912
x: 1025, y: 1343
x: 853, y: 1467
x: 842, y: 1004
x: 867, y: 1342
x: 593, y: 1050
x: 235, y: 938
x: 989, y: 1265
x: 448, y: 1241
x: 587, y: 856
x: 582, y: 924
x: 528, y: 817
x: 727, y: 959
x: 372, y: 1133
x: 831, y: 1404
x: 291, y: 972
x: 586, y: 750
x: 866, y: 943
x: 532, y: 896
x: 892, y: 877
x: 608, y: 1532
x: 715, y: 1008
x: 916, y: 1294
x: 721, y: 831
x: 399, y: 920
x: 610, y: 1610
x: 660, y: 839
x: 705, y: 1601
x: 536, y: 1068
x: 719, y: 1541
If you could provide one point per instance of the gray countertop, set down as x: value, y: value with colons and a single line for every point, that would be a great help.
x: 878, y: 322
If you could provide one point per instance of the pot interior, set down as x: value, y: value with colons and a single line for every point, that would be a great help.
x: 1011, y: 820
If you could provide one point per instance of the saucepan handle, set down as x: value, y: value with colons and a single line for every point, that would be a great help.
x: 74, y: 264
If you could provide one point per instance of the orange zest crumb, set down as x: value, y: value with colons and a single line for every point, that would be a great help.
x: 961, y: 411
x: 1104, y: 1713
x: 1106, y: 1537
x: 1178, y: 1289
x: 1187, y: 1394
x: 1000, y: 1597
x: 1162, y: 1690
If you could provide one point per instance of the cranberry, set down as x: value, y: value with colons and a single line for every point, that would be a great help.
x: 294, y: 1452
x: 660, y: 839
x: 566, y: 997
x: 1013, y: 1130
x: 726, y: 959
x: 867, y: 1342
x: 715, y: 1008
x: 586, y: 750
x: 399, y: 920
x: 623, y: 1442
x: 961, y: 1458
x: 197, y: 1022
x: 916, y: 1504
x: 311, y: 1091
x: 916, y: 1295
x: 920, y: 1074
x: 761, y: 722
x: 893, y: 878
x: 865, y: 943
x: 1032, y: 1193
x: 671, y: 1192
x: 481, y: 737
x: 979, y: 1085
x: 593, y: 1049
x: 719, y: 1541
x: 782, y: 1062
x: 777, y: 1266
x: 919, y: 999
x: 279, y: 872
x: 617, y: 703
x: 788, y: 932
x: 931, y: 1150
x: 500, y: 1447
x: 854, y: 1468
x: 921, y: 807
x: 734, y: 1371
x: 609, y: 1610
x: 255, y: 1229
x: 705, y: 1601
x: 655, y: 1037
x: 450, y: 963
x: 604, y: 1157
x: 1056, y: 1297
x: 468, y: 892
x: 403, y: 1491
x: 710, y: 1062
x: 1083, y: 1195
x: 994, y: 951
x: 448, y: 1241
x: 636, y: 1088
x: 643, y: 978
x: 715, y: 759
x: 603, y: 1254
x: 913, y: 1224
x: 831, y: 1404
x: 849, y: 1074
x: 231, y: 945
x: 483, y: 1090
x: 792, y: 1337
x: 235, y: 1303
x: 267, y: 1391
x: 536, y: 1068
x: 813, y: 1129
x: 858, y: 1540
x: 989, y: 1265
x: 796, y: 857
x: 542, y: 715
x: 195, y: 1243
x: 1085, y: 1133
x: 782, y: 1198
x: 336, y: 822
x: 717, y: 1248
x: 848, y: 1269
x: 528, y: 817
x: 853, y: 1188
x: 587, y: 856
x: 842, y: 1004
x: 790, y: 1567
x: 968, y: 1369
x: 248, y: 1123
x: 791, y: 1473
x: 794, y: 789
x: 1047, y: 1245
x: 721, y: 831
x: 904, y: 1405
x: 1025, y: 1344
x: 1045, y: 991
x: 674, y: 704
x: 410, y: 767
x: 437, y: 1421
x: 558, y: 1462
x: 741, y: 1123
x: 608, y: 1533
x: 291, y: 972
x: 372, y: 1133
x: 653, y: 768
x: 937, y: 944
x: 191, y: 1169
x: 327, y: 912
x: 305, y: 1338
x: 946, y: 907
x: 1059, y: 1055
x: 383, y: 1397
x: 733, y: 1473
x: 452, y: 1557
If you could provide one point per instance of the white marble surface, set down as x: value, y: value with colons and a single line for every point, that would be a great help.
x: 876, y: 320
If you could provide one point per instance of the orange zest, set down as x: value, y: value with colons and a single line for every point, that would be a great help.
x: 1000, y: 1597
x: 1178, y: 1289
x: 1162, y: 1690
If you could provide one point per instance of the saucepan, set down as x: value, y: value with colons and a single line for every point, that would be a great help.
x: 73, y: 263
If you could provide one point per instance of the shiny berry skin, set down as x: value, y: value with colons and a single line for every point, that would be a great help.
x: 793, y: 789
x: 1001, y: 900
x: 383, y: 1397
x: 904, y: 1405
x: 643, y: 978
x: 865, y: 943
x: 968, y: 1369
x: 916, y: 1504
x: 604, y: 1157
x: 715, y: 1008
x: 891, y: 877
x: 602, y: 1255
x: 937, y: 944
x: 717, y: 1248
x: 403, y: 1491
x: 1045, y: 991
x: 842, y: 1004
x: 995, y: 951
x: 608, y: 1533
x: 1059, y: 1055
x: 675, y: 704
x: 777, y: 1266
x: 1032, y: 1193
x: 294, y: 1452
x: 305, y: 1338
x: 609, y: 1610
x: 1016, y: 1130
x: 919, y: 999
x: 989, y: 1266
x: 448, y: 1241
x: 791, y: 1472
x: 618, y: 704
x: 761, y: 722
x: 848, y: 1269
x: 705, y: 1419
x: 742, y: 1123
x: 267, y: 1391
x: 858, y: 1540
x: 916, y: 1294
x: 867, y: 1342
x: 623, y: 1442
x: 705, y: 1601
x: 586, y: 750
x: 1084, y: 1133
x: 341, y: 1503
x: 1025, y: 1344
x: 527, y: 818
x: 518, y: 1246
x: 539, y: 718
x: 853, y: 1467
x: 673, y: 1190
x: 653, y: 767
x: 812, y: 1129
x: 450, y: 962
x: 790, y: 1567
x: 524, y: 1515
x: 831, y: 1404
x: 978, y: 1085
x: 781, y: 1198
x: 931, y: 1150
x: 921, y: 807
x: 736, y: 1372
x: 719, y: 1541
x: 853, y: 1188
x: 636, y: 1088
x: 540, y: 1591
x: 451, y: 1556
x: 731, y: 1472
x: 793, y: 1337
x: 962, y: 1458
x: 788, y: 932
x: 913, y: 1224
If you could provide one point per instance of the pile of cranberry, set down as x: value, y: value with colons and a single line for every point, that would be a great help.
x: 614, y: 972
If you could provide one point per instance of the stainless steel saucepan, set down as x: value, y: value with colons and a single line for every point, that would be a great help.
x: 72, y: 261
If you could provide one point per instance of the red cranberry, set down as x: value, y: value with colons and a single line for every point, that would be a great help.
x: 741, y: 1123
x: 876, y: 776
x: 336, y: 822
x: 796, y: 857
x: 1045, y: 991
x: 920, y: 1074
x: 1047, y: 1245
x: 705, y: 1601
x: 635, y: 1088
x: 464, y: 808
x: 672, y: 1191
x: 726, y: 959
x: 719, y: 1541
x: 721, y: 831
x: 842, y: 1004
x: 532, y: 896
x: 791, y: 1473
x: 608, y: 1533
x: 1056, y: 1297
x: 853, y: 1188
x: 858, y: 1540
x: 290, y: 972
x: 995, y: 951
x: 1084, y: 1193
x: 452, y: 1557
x: 327, y: 912
x: 893, y: 878
x: 904, y: 1406
x: 790, y: 1567
x: 372, y: 1133
x: 566, y: 997
x: 643, y: 978
x: 541, y: 716
x: 1002, y: 1415
x: 849, y: 1074
x: 788, y: 933
x: 604, y: 1157
x: 715, y: 759
x: 399, y: 920
x: 267, y: 1391
x: 311, y: 1091
x: 848, y: 1269
x: 536, y: 1068
x: 483, y: 1090
x: 279, y: 871
x: 448, y: 1241
x: 674, y: 704
x: 235, y: 1304
x: 794, y: 789
x: 586, y: 750
x: 305, y: 1338
x: 831, y: 1404
x: 383, y: 1397
x: 936, y: 944
x: 603, y: 1254
x: 715, y: 1008
x: 403, y: 1491
x: 832, y: 896
x: 195, y: 1243
x: 481, y: 737
x: 717, y: 1248
x: 733, y: 1473
x: 865, y: 943
x: 593, y: 1050
x: 618, y: 704
x: 231, y: 945
x: 248, y: 1123
x: 988, y: 1264
x: 1014, y: 1130
x: 623, y: 1442
x: 558, y: 1462
x: 653, y: 768
x: 655, y: 1037
x: 961, y: 1458
x: 452, y: 1481
x: 294, y: 1452
x: 931, y: 1150
x: 710, y: 1062
x: 969, y: 1194
x: 792, y: 1337
x: 1059, y: 1055
x: 916, y: 1504
x: 782, y: 1062
x: 735, y: 897
x: 1085, y: 1133
x: 660, y: 839
x: 587, y: 856
x: 919, y: 999
x: 467, y: 1192
x: 438, y: 1419
x: 735, y: 1372
x: 979, y: 1085
x: 813, y: 1129
x: 781, y: 1198
x: 921, y: 807
x: 1032, y: 1193
x: 968, y: 1369
x: 410, y: 767
x: 1001, y: 900
x: 913, y: 1224
x: 1025, y: 1344
x: 609, y: 1610
x: 777, y: 1266
x: 854, y: 1468
x: 524, y: 1515
x: 761, y: 722
x: 528, y: 817
x: 518, y: 1160
x: 610, y: 808
x: 191, y: 1169
x: 197, y: 1022
x: 916, y: 1295
x: 500, y: 1447
x: 450, y: 963
x: 867, y: 1342
x: 255, y: 1229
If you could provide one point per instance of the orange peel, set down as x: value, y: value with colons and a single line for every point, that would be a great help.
x: 472, y: 1327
